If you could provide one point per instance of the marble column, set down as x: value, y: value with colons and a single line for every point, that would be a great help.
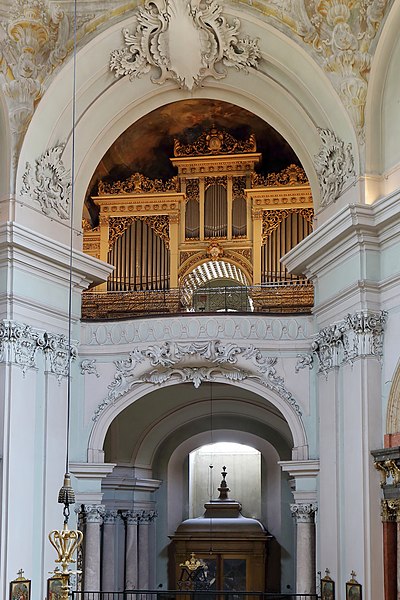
x: 131, y: 518
x: 389, y: 526
x: 305, y: 547
x: 144, y: 549
x: 109, y: 551
x: 92, y: 518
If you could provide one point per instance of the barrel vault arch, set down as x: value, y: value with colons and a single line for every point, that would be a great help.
x: 166, y: 427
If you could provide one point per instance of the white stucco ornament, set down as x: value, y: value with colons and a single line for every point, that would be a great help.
x: 186, y: 40
x: 195, y: 362
x: 334, y: 165
x: 49, y: 183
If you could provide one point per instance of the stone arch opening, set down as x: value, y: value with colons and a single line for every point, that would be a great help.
x: 152, y: 437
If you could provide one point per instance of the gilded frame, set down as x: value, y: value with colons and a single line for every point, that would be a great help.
x: 54, y: 588
x: 20, y: 589
x: 327, y: 589
x: 353, y: 591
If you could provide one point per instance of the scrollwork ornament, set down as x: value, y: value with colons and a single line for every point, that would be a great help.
x: 360, y: 334
x: 291, y: 175
x: 138, y: 183
x: 49, y: 184
x: 334, y: 165
x: 158, y: 223
x: 180, y: 361
x: 158, y: 40
x: 59, y: 354
x: 393, y: 509
x: 215, y: 142
x: 89, y: 367
x: 304, y: 361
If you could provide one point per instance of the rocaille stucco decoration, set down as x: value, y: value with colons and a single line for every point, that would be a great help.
x: 358, y: 335
x: 20, y: 344
x: 49, y: 183
x: 186, y: 40
x: 341, y: 33
x: 32, y: 43
x: 334, y: 165
x: 194, y: 362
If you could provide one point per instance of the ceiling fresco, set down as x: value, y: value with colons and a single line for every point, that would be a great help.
x: 147, y: 145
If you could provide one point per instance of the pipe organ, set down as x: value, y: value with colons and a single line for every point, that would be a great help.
x: 217, y: 207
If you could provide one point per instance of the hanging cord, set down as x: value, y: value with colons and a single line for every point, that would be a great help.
x: 211, y: 466
x: 66, y: 494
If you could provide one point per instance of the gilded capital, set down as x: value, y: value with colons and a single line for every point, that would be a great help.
x: 389, y: 510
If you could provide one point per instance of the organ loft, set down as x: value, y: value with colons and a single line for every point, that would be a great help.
x: 209, y: 238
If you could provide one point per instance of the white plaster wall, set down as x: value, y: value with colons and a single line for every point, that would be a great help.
x: 244, y: 480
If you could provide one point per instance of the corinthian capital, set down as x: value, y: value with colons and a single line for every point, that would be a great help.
x: 147, y: 516
x: 131, y: 517
x: 110, y: 516
x: 304, y: 513
x: 93, y: 513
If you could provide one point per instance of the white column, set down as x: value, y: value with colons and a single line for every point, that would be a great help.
x: 305, y: 547
x: 131, y: 549
x: 93, y: 518
x: 145, y: 560
x: 109, y: 551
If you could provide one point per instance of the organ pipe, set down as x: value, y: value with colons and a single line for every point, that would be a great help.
x: 141, y: 260
x: 215, y: 211
x: 290, y: 231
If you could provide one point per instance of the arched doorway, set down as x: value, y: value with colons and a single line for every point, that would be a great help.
x: 149, y: 443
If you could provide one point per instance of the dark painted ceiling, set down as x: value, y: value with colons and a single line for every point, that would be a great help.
x: 147, y: 145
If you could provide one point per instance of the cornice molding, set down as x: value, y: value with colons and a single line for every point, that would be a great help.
x: 50, y: 256
x: 353, y: 228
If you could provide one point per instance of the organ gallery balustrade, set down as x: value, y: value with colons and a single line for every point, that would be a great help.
x: 291, y: 297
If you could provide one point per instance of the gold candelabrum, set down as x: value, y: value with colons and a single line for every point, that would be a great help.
x: 66, y: 541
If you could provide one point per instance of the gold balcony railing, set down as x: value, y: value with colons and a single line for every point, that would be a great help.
x: 296, y: 297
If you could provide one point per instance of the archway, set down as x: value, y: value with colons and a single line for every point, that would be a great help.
x: 149, y: 438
